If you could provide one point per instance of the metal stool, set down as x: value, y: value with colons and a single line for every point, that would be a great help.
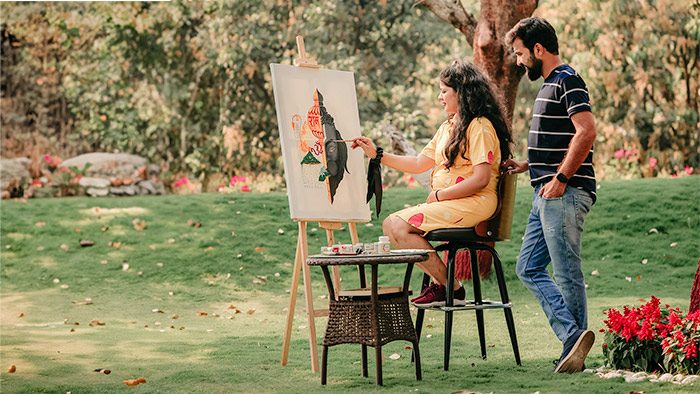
x: 496, y: 228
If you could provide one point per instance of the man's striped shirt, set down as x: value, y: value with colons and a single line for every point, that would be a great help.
x: 562, y: 95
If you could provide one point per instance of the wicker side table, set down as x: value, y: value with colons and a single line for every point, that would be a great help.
x: 369, y: 317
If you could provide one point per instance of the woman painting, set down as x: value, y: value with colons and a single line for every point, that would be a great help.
x: 465, y: 154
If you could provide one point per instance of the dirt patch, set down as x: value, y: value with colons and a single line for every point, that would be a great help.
x: 47, y: 262
x: 111, y: 212
x: 11, y: 307
x: 18, y: 236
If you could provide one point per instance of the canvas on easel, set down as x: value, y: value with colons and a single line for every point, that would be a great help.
x: 317, y: 116
x: 326, y: 179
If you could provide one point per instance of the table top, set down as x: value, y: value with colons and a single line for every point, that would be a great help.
x: 395, y: 257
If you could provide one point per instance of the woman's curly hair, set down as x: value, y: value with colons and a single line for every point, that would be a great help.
x: 476, y: 99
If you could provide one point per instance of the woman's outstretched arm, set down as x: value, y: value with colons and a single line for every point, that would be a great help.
x: 409, y: 164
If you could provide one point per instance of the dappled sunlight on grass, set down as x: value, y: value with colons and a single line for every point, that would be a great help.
x: 201, y: 308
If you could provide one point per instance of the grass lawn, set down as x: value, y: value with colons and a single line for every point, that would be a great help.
x: 151, y: 280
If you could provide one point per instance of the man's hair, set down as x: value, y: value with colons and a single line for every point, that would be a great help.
x: 532, y: 31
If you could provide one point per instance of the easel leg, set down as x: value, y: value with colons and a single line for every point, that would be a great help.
x: 292, y: 302
x: 309, y: 298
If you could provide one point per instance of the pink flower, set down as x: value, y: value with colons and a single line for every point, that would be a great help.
x: 245, y: 189
x: 235, y: 179
x: 182, y: 182
x: 674, y: 175
x: 652, y: 162
x: 47, y: 159
x: 620, y: 153
x: 688, y: 170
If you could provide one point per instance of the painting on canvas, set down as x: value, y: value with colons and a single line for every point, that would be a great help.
x: 326, y: 180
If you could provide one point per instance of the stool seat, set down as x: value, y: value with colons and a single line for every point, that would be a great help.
x: 461, y: 234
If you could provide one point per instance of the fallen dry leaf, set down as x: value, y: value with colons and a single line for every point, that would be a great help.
x: 251, y: 311
x: 103, y: 371
x: 40, y: 224
x: 12, y: 369
x: 202, y: 313
x: 595, y: 273
x: 673, y: 244
x: 645, y: 261
x: 86, y: 242
x: 134, y: 382
x: 125, y: 267
x: 395, y: 356
x: 21, y: 315
x: 639, y: 278
x: 156, y: 310
x: 64, y: 286
x: 280, y: 231
x: 139, y: 224
x: 77, y: 230
x: 259, y: 248
x: 96, y: 322
x: 115, y: 244
x: 104, y: 228
x: 87, y: 301
x: 628, y: 278
x: 65, y: 247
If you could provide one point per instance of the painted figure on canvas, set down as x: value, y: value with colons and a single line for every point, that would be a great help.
x: 318, y: 143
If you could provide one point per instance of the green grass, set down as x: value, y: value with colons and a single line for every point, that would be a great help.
x: 181, y: 269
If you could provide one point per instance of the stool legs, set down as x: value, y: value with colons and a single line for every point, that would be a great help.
x: 504, y: 299
x: 451, y: 254
x: 416, y: 354
x: 476, y: 283
x: 420, y: 315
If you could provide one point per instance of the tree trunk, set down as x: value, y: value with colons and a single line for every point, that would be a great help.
x: 695, y: 292
x: 486, y: 36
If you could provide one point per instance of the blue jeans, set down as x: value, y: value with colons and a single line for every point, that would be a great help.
x: 553, y: 234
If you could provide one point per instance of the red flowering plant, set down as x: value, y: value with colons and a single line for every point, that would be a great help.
x: 650, y: 338
x: 680, y: 347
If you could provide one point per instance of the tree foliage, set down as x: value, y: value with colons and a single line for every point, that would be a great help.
x: 187, y: 84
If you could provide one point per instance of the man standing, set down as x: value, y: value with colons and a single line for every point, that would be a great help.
x: 560, y: 161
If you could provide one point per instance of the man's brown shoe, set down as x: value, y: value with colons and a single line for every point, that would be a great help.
x: 576, y: 349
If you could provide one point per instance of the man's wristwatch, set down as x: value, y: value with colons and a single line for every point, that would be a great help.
x: 562, y: 178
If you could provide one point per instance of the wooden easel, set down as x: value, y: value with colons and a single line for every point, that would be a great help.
x: 302, y: 253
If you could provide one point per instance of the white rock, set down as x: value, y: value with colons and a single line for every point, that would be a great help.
x: 690, y: 379
x: 634, y: 379
x: 640, y: 375
x: 94, y: 182
x: 612, y: 375
x: 678, y: 377
x: 667, y: 377
x: 587, y: 370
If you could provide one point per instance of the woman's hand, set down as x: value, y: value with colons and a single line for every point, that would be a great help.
x: 432, y: 197
x: 514, y: 166
x: 367, y: 146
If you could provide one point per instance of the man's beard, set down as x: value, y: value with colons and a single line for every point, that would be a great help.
x: 535, y: 72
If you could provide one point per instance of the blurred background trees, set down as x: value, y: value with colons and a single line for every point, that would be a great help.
x: 187, y: 84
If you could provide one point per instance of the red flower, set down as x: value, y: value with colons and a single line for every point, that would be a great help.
x: 245, y: 189
x: 182, y: 182
x: 691, y: 350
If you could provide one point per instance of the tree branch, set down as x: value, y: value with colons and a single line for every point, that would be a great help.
x: 453, y: 12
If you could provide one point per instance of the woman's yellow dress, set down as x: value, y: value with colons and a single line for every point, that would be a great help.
x: 468, y: 211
